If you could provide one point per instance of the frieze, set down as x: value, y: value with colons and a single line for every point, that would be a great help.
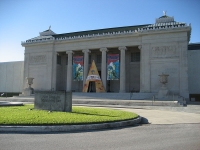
x: 164, y: 51
x: 37, y: 59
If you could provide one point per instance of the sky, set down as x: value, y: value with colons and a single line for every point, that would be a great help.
x: 24, y: 19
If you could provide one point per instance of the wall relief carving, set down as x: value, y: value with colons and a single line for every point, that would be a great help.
x: 164, y: 51
x: 37, y: 59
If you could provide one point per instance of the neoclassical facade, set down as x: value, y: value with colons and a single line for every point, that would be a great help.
x: 145, y: 52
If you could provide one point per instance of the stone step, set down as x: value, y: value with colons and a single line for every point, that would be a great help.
x: 118, y: 96
x: 103, y: 101
x: 125, y: 102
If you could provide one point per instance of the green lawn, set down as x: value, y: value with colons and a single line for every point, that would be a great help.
x: 26, y: 115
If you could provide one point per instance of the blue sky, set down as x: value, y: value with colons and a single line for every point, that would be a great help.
x: 24, y: 19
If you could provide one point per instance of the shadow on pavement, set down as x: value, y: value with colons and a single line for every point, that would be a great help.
x: 144, y: 121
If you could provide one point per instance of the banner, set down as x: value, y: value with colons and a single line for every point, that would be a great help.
x: 77, y: 68
x: 113, y: 67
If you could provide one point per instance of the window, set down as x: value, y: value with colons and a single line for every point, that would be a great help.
x: 135, y: 57
x: 59, y: 60
x: 98, y: 58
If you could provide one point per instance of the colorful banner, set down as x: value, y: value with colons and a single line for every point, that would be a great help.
x: 113, y: 67
x: 77, y: 68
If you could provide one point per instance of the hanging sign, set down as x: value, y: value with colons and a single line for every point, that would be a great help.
x: 77, y: 68
x: 93, y: 77
x: 113, y: 67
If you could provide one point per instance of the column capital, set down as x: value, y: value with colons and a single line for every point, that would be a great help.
x: 122, y: 48
x: 140, y: 47
x: 103, y: 49
x: 86, y: 51
x: 69, y: 52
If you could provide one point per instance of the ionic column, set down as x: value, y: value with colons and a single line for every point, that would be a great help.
x: 103, y: 66
x: 69, y: 72
x: 122, y: 70
x: 86, y: 62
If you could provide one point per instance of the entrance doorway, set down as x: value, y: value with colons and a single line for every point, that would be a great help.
x: 195, y: 97
x: 92, y: 87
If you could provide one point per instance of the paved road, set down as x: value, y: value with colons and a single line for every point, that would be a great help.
x: 167, y: 130
x: 166, y: 117
x: 145, y: 137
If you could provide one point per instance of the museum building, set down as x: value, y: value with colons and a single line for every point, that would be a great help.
x: 142, y: 53
x: 145, y: 51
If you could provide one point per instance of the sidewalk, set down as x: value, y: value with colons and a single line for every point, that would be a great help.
x: 103, y: 101
x: 143, y: 104
x: 165, y: 117
x: 150, y: 114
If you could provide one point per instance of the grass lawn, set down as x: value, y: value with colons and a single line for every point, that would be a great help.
x: 27, y: 115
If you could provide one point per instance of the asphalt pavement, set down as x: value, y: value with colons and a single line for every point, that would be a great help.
x: 144, y: 137
x: 164, y: 127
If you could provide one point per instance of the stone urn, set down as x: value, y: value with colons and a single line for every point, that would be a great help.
x: 29, y: 90
x: 29, y: 82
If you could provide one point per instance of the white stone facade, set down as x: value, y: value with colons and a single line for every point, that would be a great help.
x: 162, y: 48
x: 194, y: 70
x: 11, y: 76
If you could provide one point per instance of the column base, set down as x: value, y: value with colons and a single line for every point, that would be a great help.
x: 122, y: 91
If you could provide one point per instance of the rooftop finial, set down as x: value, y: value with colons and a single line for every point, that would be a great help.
x: 49, y: 27
x: 164, y: 12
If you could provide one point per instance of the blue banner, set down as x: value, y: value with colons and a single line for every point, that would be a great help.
x: 78, y: 68
x: 113, y: 67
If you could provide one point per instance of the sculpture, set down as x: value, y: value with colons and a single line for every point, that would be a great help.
x: 29, y: 91
x: 29, y: 82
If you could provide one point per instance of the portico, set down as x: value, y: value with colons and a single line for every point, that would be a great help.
x: 100, y: 58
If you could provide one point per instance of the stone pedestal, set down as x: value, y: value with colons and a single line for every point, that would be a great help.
x: 29, y: 91
x: 163, y: 92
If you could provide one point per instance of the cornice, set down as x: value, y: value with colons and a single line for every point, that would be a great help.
x: 150, y: 29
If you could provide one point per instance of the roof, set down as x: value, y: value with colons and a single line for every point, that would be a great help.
x: 163, y: 23
x: 100, y: 31
x: 164, y: 16
x: 194, y: 46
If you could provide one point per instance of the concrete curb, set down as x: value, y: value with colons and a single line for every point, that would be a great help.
x: 5, y: 103
x: 70, y: 128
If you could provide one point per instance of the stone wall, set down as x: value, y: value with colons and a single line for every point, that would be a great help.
x: 40, y: 64
x: 165, y: 53
x: 11, y: 76
x: 194, y: 71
